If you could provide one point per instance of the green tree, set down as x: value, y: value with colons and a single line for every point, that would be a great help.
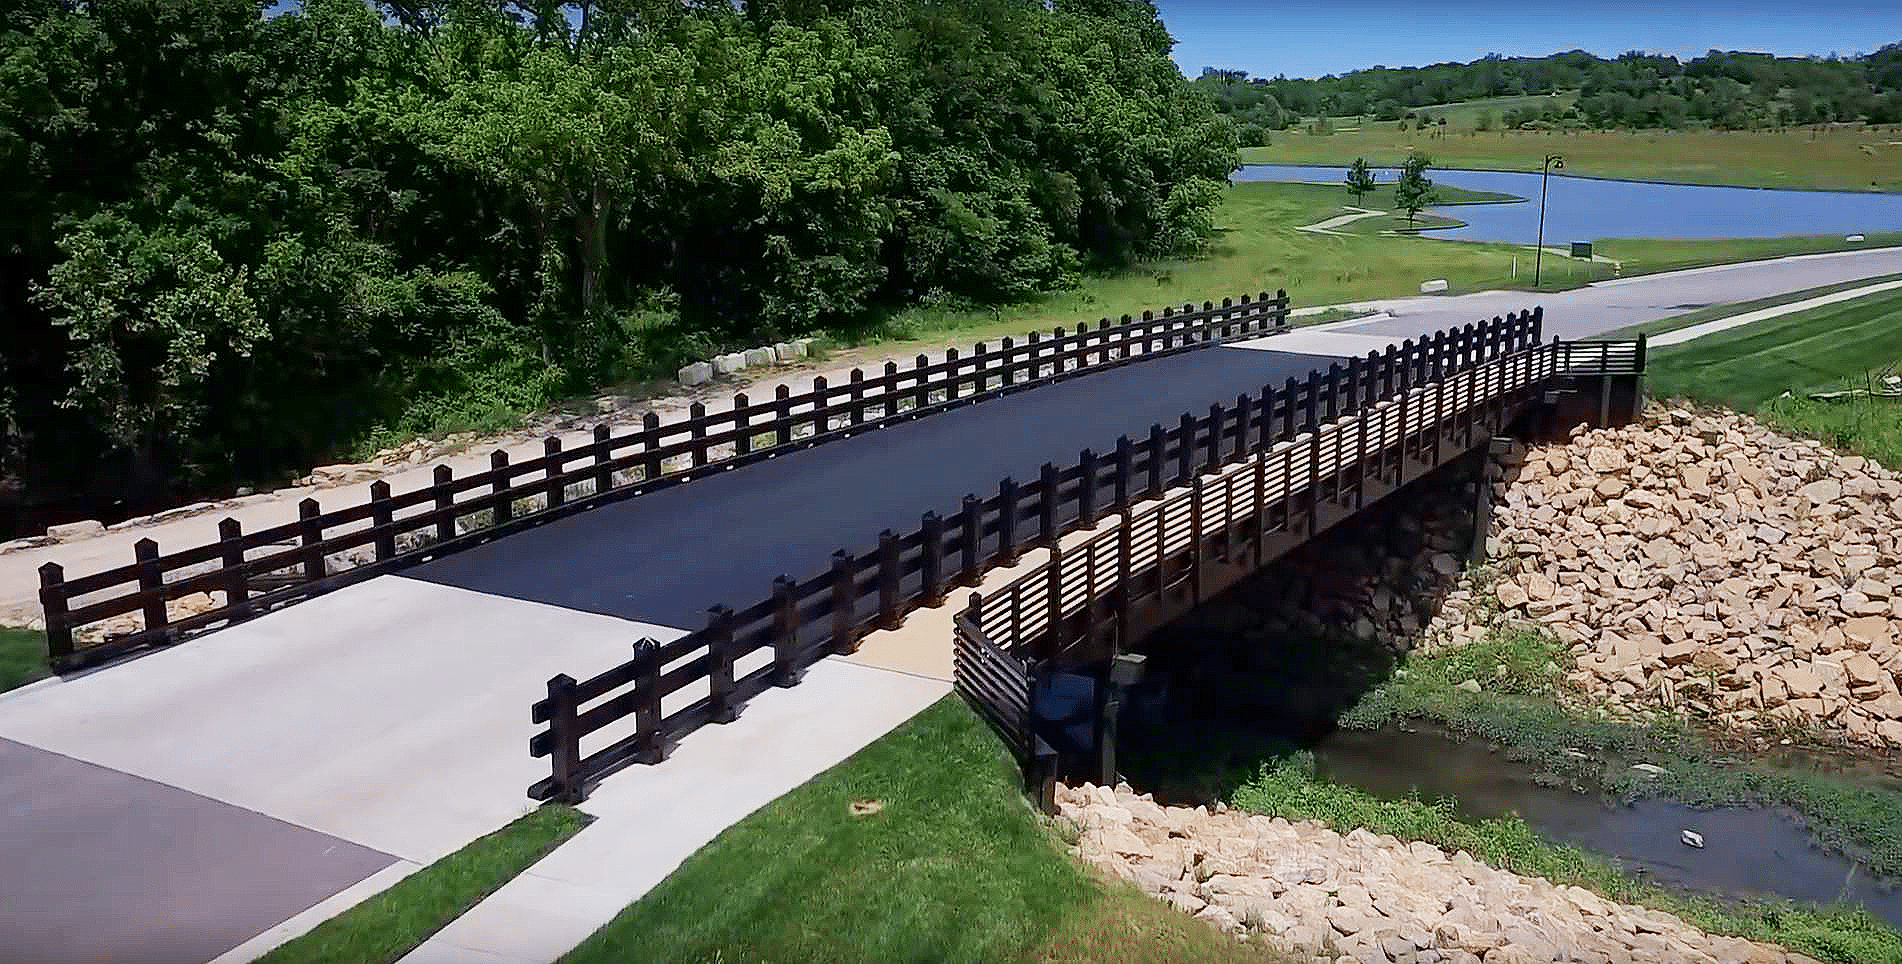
x: 1360, y: 179
x: 1485, y: 122
x: 1414, y: 192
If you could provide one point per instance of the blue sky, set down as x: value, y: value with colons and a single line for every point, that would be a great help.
x: 1306, y: 38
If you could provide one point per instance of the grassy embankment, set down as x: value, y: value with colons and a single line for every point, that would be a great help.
x: 386, y: 927
x: 1836, y: 159
x: 22, y: 658
x: 1847, y: 345
x: 954, y: 868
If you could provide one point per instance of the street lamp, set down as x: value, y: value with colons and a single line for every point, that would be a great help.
x: 1552, y: 162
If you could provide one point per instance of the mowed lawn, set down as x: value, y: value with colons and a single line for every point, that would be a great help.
x: 953, y: 866
x: 1808, y: 350
x: 22, y: 658
x: 1837, y: 159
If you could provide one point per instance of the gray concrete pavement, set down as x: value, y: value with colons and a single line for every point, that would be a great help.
x: 1611, y: 305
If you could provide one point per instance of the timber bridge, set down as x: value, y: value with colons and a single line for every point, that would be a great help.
x: 1055, y: 498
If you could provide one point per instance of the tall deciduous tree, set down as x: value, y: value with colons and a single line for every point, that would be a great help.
x: 1413, y: 192
x: 1360, y: 179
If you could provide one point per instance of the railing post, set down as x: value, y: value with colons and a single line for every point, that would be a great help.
x: 1089, y: 478
x: 785, y: 633
x: 1311, y: 417
x: 1281, y: 308
x: 931, y: 563
x: 742, y: 439
x: 231, y: 551
x: 845, y: 633
x: 921, y: 399
x: 1125, y: 463
x: 1009, y: 365
x: 888, y: 577
x: 1053, y: 593
x: 725, y: 708
x: 382, y: 520
x: 1241, y: 428
x: 310, y: 533
x: 1213, y: 458
x: 1638, y: 359
x: 603, y: 475
x: 1196, y: 488
x: 1290, y: 393
x: 1333, y: 391
x: 1185, y: 450
x: 782, y: 414
x: 1034, y: 350
x: 1261, y: 509
x: 1048, y: 484
x: 650, y: 443
x: 1314, y: 480
x: 1353, y: 386
x: 445, y: 502
x: 145, y: 554
x: 551, y: 474
x: 697, y: 430
x: 891, y: 389
x: 59, y: 631
x: 650, y: 746
x: 973, y: 520
x: 1389, y: 372
x: 1007, y: 522
x: 1158, y: 448
x: 1149, y: 333
x: 564, y: 730
x: 499, y: 486
x: 822, y: 400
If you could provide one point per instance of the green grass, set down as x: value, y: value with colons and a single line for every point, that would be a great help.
x: 1652, y: 257
x: 1747, y: 366
x: 22, y: 658
x: 386, y: 927
x: 1519, y: 713
x: 1837, y: 159
x: 956, y: 867
x: 1718, y: 312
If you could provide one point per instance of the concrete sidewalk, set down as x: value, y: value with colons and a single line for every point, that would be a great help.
x: 650, y: 819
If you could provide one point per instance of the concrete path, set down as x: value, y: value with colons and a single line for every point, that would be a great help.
x: 1328, y: 226
x: 361, y: 734
x: 1683, y: 335
x: 650, y: 819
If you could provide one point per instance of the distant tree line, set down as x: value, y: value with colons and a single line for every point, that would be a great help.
x: 236, y: 245
x: 1726, y: 90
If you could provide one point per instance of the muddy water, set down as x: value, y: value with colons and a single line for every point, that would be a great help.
x: 1747, y: 852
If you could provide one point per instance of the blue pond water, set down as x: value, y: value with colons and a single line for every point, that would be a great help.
x: 1582, y: 209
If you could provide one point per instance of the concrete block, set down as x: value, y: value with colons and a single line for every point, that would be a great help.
x: 787, y: 351
x: 1855, y: 239
x: 75, y: 530
x: 759, y: 357
x: 1432, y: 287
x: 698, y: 373
x: 728, y: 364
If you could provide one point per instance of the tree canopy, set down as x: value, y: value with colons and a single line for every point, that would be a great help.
x: 1722, y: 89
x: 238, y: 244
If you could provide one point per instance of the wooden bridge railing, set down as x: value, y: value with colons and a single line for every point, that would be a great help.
x: 1150, y: 562
x: 635, y: 711
x: 263, y: 569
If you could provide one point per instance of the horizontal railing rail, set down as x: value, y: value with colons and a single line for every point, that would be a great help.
x: 640, y: 708
x: 262, y: 569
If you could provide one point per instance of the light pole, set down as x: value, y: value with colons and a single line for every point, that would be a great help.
x: 1552, y: 162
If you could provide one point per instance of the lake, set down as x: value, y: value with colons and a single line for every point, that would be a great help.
x: 1584, y: 209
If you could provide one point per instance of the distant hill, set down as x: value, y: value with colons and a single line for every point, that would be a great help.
x: 1725, y: 90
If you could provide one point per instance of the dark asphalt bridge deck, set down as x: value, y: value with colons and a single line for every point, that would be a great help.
x: 666, y: 557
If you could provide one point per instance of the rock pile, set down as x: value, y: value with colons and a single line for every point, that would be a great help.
x: 1367, y: 899
x: 1703, y: 563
